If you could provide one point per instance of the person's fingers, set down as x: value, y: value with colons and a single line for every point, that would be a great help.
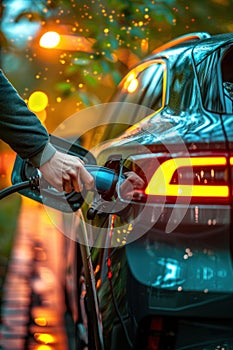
x: 67, y: 186
x: 87, y: 178
x: 77, y: 176
x: 76, y: 182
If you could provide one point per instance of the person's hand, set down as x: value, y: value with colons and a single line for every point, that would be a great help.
x: 67, y: 173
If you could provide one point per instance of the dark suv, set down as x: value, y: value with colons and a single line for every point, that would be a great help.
x: 154, y: 269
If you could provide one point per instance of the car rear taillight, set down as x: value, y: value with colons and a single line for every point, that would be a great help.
x: 194, y: 179
x: 199, y: 178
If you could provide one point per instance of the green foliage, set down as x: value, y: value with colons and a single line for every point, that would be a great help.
x: 64, y: 88
x: 113, y: 24
x: 136, y: 27
x: 9, y: 210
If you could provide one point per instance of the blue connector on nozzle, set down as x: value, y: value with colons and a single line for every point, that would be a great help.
x: 105, y: 179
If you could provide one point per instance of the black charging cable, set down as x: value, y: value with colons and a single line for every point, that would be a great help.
x: 32, y: 183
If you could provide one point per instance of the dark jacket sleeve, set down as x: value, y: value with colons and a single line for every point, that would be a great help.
x: 20, y: 128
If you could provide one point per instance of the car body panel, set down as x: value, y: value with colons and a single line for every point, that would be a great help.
x: 188, y: 271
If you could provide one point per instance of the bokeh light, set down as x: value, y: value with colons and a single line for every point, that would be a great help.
x: 43, y: 347
x: 44, y: 338
x: 38, y: 101
x: 41, y: 321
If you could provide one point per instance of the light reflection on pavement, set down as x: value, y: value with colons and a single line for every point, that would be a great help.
x: 33, y: 298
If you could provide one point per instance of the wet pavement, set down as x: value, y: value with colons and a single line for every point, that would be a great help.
x: 33, y: 296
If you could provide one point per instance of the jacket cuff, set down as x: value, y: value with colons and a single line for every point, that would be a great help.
x: 43, y: 156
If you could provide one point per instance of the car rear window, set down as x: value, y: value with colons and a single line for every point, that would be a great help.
x: 214, y: 66
x: 143, y: 86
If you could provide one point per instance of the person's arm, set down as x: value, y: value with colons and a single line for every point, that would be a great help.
x: 19, y: 127
x: 23, y: 131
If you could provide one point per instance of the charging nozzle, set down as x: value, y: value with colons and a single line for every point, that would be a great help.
x: 28, y: 181
x: 105, y: 179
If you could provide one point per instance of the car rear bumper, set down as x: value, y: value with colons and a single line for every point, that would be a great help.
x: 187, y: 272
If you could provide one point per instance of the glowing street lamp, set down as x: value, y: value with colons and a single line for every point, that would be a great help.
x: 38, y: 101
x: 54, y: 40
x: 50, y: 40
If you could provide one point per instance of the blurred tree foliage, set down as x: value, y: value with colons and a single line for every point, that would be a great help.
x: 9, y: 210
x: 124, y: 32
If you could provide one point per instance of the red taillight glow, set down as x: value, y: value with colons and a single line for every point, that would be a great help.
x: 193, y: 177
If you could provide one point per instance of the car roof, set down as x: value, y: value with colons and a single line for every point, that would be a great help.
x: 180, y: 40
x: 199, y: 42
